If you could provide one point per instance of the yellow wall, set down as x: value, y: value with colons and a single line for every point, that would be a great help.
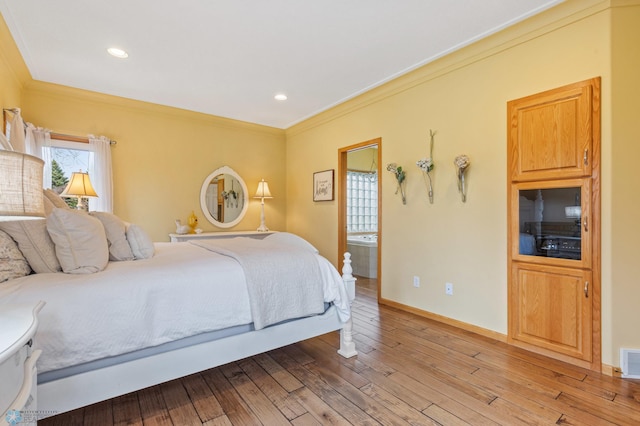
x: 622, y: 183
x: 363, y: 160
x: 13, y: 71
x: 463, y: 97
x: 164, y: 154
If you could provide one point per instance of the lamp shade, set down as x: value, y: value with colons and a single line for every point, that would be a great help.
x: 20, y: 186
x: 263, y: 190
x: 79, y: 186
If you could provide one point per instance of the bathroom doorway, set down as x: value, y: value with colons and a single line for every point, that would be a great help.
x: 359, y: 208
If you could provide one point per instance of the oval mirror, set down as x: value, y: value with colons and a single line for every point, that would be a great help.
x: 223, y: 197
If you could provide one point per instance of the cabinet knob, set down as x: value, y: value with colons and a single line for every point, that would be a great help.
x: 585, y: 223
x: 586, y: 157
x: 586, y: 289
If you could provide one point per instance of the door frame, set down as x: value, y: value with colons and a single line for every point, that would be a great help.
x: 342, y: 202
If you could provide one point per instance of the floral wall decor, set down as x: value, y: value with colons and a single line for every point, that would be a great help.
x: 462, y: 164
x: 400, y: 177
x: 426, y: 165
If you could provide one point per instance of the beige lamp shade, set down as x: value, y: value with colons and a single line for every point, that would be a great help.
x: 79, y: 186
x: 20, y: 186
x: 263, y: 190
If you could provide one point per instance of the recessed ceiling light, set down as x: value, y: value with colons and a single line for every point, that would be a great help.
x: 280, y: 97
x: 118, y: 53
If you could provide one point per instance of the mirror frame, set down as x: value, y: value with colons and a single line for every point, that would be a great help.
x: 224, y: 170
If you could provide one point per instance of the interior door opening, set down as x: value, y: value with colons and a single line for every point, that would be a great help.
x: 359, y: 208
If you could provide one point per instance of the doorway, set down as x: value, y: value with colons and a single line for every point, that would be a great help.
x: 360, y: 208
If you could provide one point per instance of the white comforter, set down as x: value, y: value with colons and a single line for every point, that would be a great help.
x: 182, y: 291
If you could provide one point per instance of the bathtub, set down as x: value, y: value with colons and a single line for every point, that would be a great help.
x: 368, y: 240
x: 364, y: 254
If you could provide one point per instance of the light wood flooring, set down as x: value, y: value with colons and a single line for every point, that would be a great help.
x: 409, y: 370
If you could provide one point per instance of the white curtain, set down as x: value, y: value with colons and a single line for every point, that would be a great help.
x: 16, y: 136
x: 4, y: 143
x: 101, y: 174
x: 38, y: 143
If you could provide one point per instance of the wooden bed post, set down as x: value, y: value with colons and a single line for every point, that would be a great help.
x: 347, y: 346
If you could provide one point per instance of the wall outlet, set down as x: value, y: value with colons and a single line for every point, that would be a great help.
x: 448, y: 289
x: 416, y: 281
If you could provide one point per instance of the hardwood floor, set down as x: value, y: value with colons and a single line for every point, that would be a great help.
x: 409, y: 370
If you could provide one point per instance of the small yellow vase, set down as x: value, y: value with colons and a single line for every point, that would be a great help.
x: 193, y: 222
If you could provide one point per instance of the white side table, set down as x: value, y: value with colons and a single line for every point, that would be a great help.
x: 18, y: 399
x: 218, y: 235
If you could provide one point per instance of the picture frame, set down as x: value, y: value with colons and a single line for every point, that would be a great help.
x: 323, y: 185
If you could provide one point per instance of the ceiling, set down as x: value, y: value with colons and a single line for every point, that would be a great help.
x: 230, y: 57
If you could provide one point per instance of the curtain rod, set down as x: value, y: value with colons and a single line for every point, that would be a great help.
x: 73, y: 138
x: 57, y: 136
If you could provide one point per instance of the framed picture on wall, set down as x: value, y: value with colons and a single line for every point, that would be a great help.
x: 323, y: 185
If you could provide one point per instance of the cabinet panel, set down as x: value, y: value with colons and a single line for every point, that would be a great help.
x: 553, y: 308
x: 551, y: 134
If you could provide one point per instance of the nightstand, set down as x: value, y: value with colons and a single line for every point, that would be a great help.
x: 18, y: 373
x: 218, y: 235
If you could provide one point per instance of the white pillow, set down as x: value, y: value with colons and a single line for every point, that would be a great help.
x: 48, y: 205
x: 140, y: 242
x: 55, y: 199
x: 80, y: 241
x: 34, y: 242
x: 115, y: 229
x: 12, y: 262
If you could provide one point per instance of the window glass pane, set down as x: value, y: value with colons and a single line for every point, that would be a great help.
x: 65, y: 161
x: 550, y: 222
x: 362, y: 202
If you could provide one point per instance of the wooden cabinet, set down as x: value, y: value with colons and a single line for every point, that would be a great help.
x: 554, y: 223
x: 551, y: 134
x: 553, y: 308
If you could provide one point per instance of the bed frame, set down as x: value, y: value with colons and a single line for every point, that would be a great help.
x: 68, y: 393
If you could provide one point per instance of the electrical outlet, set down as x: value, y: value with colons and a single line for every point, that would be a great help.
x: 448, y: 289
x: 416, y: 281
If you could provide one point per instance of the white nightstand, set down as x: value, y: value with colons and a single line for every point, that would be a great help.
x: 217, y: 235
x: 18, y: 401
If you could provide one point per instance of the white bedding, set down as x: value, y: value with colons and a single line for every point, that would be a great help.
x: 182, y: 291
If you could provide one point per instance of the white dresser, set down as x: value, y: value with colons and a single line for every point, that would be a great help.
x: 217, y: 235
x: 18, y: 373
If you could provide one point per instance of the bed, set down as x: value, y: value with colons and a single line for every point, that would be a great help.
x: 189, y: 307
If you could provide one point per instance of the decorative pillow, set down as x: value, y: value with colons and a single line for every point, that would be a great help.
x: 289, y: 239
x: 34, y: 242
x: 12, y: 262
x: 115, y: 229
x: 80, y: 241
x: 140, y: 242
x: 57, y: 200
x: 48, y: 205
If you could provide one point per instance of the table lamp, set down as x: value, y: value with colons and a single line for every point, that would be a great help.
x: 262, y: 193
x: 20, y: 186
x: 79, y: 186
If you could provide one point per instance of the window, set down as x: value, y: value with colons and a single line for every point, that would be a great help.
x: 362, y: 202
x: 66, y: 158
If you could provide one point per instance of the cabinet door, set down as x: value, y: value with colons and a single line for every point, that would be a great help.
x: 551, y: 222
x: 553, y: 308
x: 550, y: 134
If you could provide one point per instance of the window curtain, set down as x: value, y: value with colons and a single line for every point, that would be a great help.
x: 37, y: 142
x: 101, y: 174
x: 17, y: 136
